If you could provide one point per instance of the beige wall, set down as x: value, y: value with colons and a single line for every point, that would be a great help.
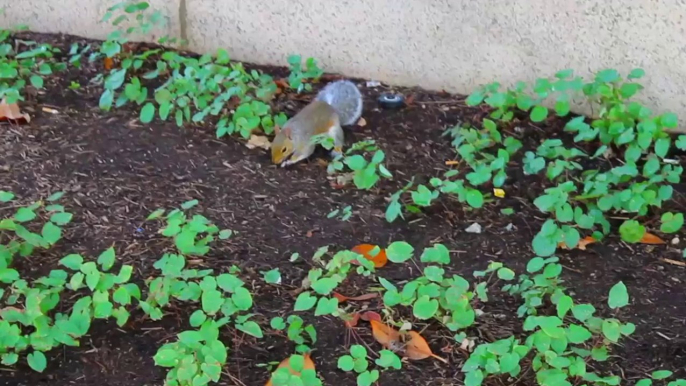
x: 438, y: 44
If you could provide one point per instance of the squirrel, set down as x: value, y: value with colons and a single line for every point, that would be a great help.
x: 338, y: 104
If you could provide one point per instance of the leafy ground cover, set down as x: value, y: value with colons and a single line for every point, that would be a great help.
x: 135, y: 250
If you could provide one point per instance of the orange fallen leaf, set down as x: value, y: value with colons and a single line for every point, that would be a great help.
x: 10, y: 112
x: 649, y: 238
x: 108, y: 63
x: 370, y: 315
x: 309, y: 365
x: 282, y: 83
x: 364, y: 249
x: 386, y: 335
x: 582, y: 243
x: 417, y: 348
x: 452, y: 162
x: 342, y: 298
x: 353, y: 319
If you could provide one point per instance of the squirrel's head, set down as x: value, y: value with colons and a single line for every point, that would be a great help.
x: 282, y: 146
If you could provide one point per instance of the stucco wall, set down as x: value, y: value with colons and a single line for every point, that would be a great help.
x: 437, y: 44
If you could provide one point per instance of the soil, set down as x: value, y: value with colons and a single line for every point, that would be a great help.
x: 117, y: 170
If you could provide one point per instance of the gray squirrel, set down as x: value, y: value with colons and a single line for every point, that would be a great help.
x: 338, y: 104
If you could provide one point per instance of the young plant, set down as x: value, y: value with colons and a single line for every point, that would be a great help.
x: 365, y: 172
x: 19, y: 68
x: 298, y: 76
x: 357, y: 362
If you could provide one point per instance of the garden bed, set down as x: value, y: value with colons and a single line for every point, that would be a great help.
x: 115, y: 171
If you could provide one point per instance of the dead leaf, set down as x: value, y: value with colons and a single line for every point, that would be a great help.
x: 309, y: 365
x: 417, y: 348
x: 674, y: 262
x: 581, y: 245
x: 108, y: 63
x: 258, y: 141
x: 370, y: 315
x: 362, y: 122
x: 352, y: 320
x: 342, y: 298
x: 498, y: 193
x: 11, y: 113
x: 386, y: 335
x: 365, y: 250
x: 282, y: 83
x: 649, y: 238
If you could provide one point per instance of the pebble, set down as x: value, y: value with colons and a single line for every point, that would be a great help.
x: 509, y: 227
x: 675, y: 241
x: 474, y: 228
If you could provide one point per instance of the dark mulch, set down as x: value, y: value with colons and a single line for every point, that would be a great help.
x: 116, y: 171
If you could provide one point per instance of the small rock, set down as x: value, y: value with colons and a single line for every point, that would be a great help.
x: 675, y: 241
x: 373, y: 83
x: 509, y: 227
x: 474, y: 228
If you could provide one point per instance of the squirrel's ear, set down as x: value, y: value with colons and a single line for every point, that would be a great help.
x: 277, y: 129
x: 287, y: 132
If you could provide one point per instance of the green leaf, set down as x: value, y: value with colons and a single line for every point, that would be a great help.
x: 578, y: 334
x: 611, y: 330
x: 632, y: 231
x: 324, y: 286
x: 106, y: 259
x: 273, y: 276
x: 51, y: 233
x: 425, y: 307
x: 147, y: 113
x: 669, y: 120
x: 36, y: 81
x: 211, y: 301
x: 583, y: 311
x: 346, y: 363
x: 24, y: 214
x: 538, y: 114
x: 388, y: 359
x: 607, y: 76
x: 326, y: 306
x: 72, y: 261
x: 251, y: 328
x: 619, y: 296
x: 671, y: 222
x: 155, y: 215
x: 242, y: 298
x: 167, y: 357
x: 61, y: 218
x: 438, y: 254
x: 535, y: 265
x: 6, y: 196
x: 661, y: 374
x: 37, y: 361
x: 474, y: 378
x: 399, y: 251
x: 304, y: 302
x: 636, y: 73
x: 189, y: 204
x: 506, y: 274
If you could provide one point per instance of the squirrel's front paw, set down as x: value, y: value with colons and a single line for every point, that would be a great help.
x: 336, y: 152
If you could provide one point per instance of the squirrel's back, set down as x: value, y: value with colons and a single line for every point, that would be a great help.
x: 345, y: 98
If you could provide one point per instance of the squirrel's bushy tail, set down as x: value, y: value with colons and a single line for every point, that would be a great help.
x: 345, y: 98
